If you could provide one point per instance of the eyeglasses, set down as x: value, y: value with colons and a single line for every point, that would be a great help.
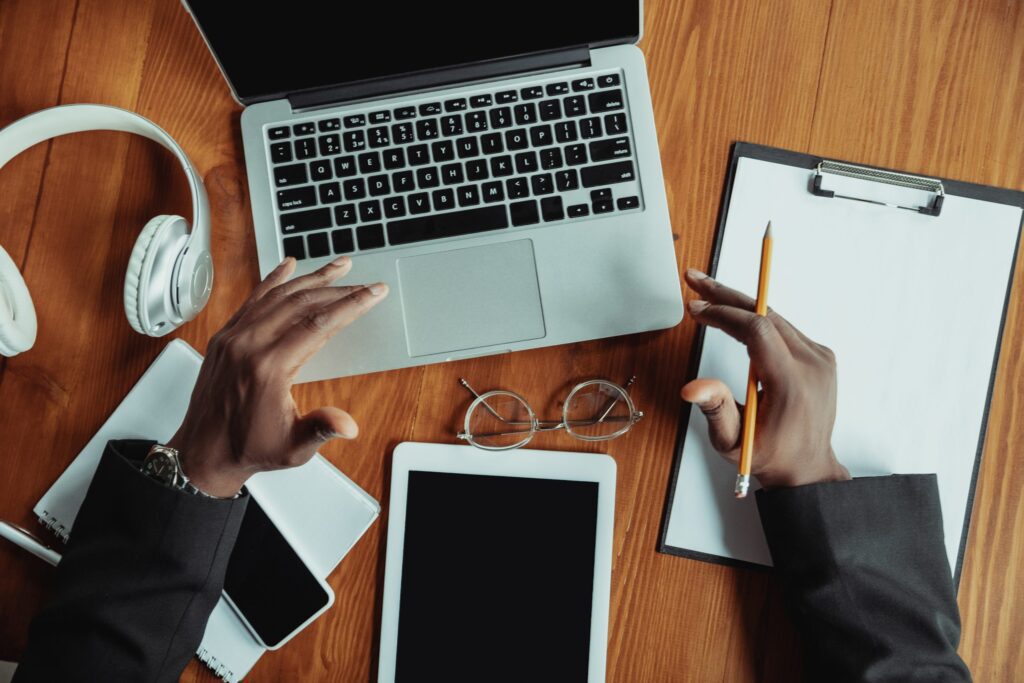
x: 596, y: 410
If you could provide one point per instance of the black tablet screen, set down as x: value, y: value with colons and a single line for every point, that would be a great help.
x: 497, y: 579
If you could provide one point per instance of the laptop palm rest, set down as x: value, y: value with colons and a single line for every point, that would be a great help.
x: 470, y: 298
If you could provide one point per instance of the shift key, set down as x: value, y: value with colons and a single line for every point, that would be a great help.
x: 301, y: 221
x: 608, y: 174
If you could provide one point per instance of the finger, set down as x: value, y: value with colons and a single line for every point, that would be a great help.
x: 321, y: 277
x: 715, y: 292
x: 723, y: 414
x: 278, y: 275
x: 768, y: 351
x: 321, y: 425
x: 313, y: 330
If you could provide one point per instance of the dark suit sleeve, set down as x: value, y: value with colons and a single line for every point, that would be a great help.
x: 866, y: 576
x: 141, y: 573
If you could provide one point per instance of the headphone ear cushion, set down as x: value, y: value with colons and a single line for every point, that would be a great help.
x: 17, y: 314
x: 136, y: 263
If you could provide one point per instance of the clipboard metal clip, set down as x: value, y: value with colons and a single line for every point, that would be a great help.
x: 913, y: 182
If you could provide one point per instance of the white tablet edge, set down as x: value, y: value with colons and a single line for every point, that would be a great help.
x: 533, y: 464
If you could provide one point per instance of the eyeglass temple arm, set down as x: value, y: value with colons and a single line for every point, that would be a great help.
x: 611, y: 404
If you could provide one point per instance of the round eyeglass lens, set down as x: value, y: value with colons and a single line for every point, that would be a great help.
x: 499, y: 420
x: 597, y: 410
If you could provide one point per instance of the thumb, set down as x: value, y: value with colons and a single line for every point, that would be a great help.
x: 715, y: 400
x: 319, y: 426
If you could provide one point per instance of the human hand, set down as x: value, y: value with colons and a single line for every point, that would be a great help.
x: 242, y: 419
x: 796, y: 407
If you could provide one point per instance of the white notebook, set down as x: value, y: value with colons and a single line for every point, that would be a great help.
x: 318, y: 509
x: 912, y: 304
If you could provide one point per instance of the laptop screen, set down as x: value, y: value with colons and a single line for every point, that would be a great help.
x: 272, y: 49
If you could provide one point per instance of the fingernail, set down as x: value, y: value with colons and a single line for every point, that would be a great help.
x: 285, y: 261
x: 378, y: 289
x: 698, y: 305
x: 696, y: 274
x: 340, y: 261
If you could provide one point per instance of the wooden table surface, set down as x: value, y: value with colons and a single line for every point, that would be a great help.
x: 930, y: 86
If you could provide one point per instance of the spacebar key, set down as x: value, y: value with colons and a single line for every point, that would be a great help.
x: 447, y: 225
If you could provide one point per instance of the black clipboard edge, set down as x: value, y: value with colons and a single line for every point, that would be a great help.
x: 801, y: 160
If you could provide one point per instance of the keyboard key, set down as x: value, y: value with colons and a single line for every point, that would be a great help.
x: 480, y: 101
x: 578, y: 210
x: 405, y: 113
x: 345, y: 214
x: 526, y: 162
x: 501, y: 117
x: 451, y: 174
x: 603, y: 193
x: 493, y: 191
x: 342, y: 241
x: 540, y: 136
x: 278, y: 133
x: 541, y: 184
x: 551, y: 158
x: 286, y: 176
x: 355, y: 120
x: 452, y: 224
x: 426, y: 129
x: 280, y: 152
x: 468, y: 195
x: 294, y: 247
x: 627, y: 203
x: 354, y: 188
x: 517, y: 188
x: 476, y: 121
x: 370, y: 236
x: 318, y: 245
x: 581, y: 84
x: 590, y: 128
x: 567, y: 180
x: 443, y: 199
x: 427, y: 177
x: 418, y: 203
x: 501, y: 166
x: 378, y: 185
x: 532, y: 92
x: 566, y: 131
x: 305, y: 148
x: 443, y: 151
x: 418, y: 155
x: 394, y: 158
x: 516, y: 139
x: 476, y: 169
x: 304, y: 129
x: 303, y: 221
x: 605, y: 101
x: 329, y: 144
x: 430, y: 109
x: 575, y: 106
x: 550, y: 110
x: 609, y: 148
x: 379, y: 137
x: 575, y: 155
x: 355, y: 141
x: 455, y: 105
x: 467, y: 148
x: 608, y: 174
x: 320, y: 169
x: 551, y: 209
x: 369, y: 210
x: 297, y: 198
x: 402, y: 181
x: 380, y: 117
x: 326, y: 125
x: 525, y: 114
x: 557, y: 88
x: 491, y: 143
x: 608, y: 80
x: 369, y: 162
x: 603, y: 206
x: 451, y: 125
x: 394, y: 207
x: 401, y: 133
x: 506, y: 97
x: 524, y: 213
x: 330, y: 193
x: 345, y: 166
x: 615, y: 124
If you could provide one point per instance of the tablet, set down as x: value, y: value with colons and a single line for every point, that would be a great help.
x: 498, y: 565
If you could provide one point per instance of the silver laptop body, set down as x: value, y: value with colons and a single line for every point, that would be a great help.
x: 551, y: 239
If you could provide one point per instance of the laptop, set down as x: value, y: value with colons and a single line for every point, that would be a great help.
x: 496, y: 165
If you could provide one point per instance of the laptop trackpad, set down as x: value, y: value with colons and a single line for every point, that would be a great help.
x: 470, y: 298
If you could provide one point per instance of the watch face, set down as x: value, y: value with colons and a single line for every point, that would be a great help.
x: 162, y: 467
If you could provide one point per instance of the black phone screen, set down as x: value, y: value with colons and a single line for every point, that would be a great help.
x: 268, y: 582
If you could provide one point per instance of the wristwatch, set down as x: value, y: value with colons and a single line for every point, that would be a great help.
x: 164, y: 464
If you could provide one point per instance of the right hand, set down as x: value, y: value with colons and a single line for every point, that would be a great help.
x: 796, y: 407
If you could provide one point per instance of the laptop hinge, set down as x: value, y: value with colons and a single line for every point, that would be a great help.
x: 434, y: 78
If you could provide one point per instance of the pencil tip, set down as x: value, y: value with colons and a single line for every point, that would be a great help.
x: 768, y: 230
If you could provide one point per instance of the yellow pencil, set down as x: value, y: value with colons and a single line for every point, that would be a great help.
x: 750, y: 409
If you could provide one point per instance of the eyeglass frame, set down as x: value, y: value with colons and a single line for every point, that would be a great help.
x: 548, y: 425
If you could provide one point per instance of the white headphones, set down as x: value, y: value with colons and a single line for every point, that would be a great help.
x: 170, y: 271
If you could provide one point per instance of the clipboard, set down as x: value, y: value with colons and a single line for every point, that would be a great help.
x: 860, y: 198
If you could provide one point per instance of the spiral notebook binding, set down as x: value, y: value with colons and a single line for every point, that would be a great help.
x: 219, y: 670
x: 913, y: 182
x: 53, y: 524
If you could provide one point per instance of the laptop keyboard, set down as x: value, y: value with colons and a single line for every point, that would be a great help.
x: 500, y: 159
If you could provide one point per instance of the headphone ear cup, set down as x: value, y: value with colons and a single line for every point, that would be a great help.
x: 142, y: 252
x: 17, y: 314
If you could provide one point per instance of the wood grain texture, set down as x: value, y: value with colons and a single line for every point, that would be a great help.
x: 929, y: 86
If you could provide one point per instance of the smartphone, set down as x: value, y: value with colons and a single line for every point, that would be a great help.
x: 268, y: 585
